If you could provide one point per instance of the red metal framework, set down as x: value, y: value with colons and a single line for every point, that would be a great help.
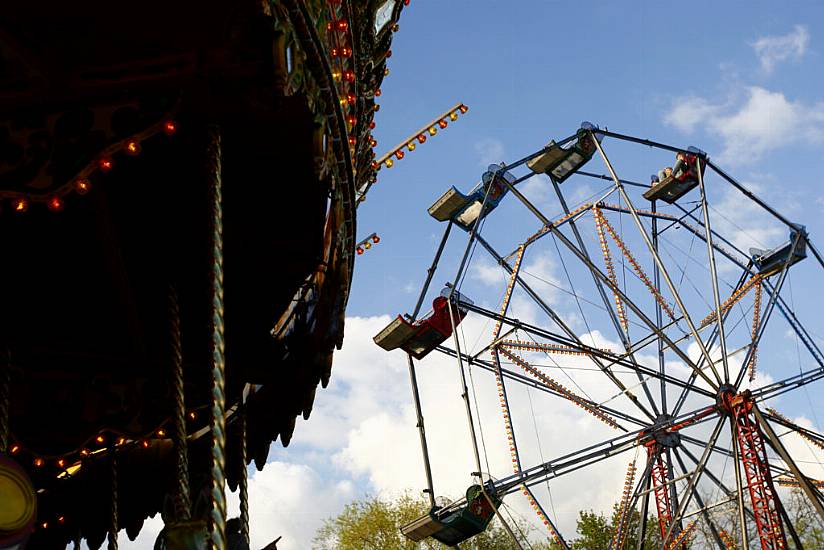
x: 658, y: 476
x: 757, y: 469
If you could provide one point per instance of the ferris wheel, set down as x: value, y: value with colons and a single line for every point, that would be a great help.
x: 656, y: 329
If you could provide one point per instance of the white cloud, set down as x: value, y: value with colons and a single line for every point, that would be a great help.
x: 772, y: 50
x: 486, y: 272
x: 688, y: 112
x: 489, y: 151
x: 291, y: 500
x: 752, y: 124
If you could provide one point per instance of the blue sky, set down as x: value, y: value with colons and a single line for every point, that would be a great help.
x: 742, y: 80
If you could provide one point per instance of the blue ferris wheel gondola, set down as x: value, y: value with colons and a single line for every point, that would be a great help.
x: 465, y: 210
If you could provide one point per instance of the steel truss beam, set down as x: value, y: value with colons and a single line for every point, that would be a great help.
x: 588, y: 350
x: 605, y: 279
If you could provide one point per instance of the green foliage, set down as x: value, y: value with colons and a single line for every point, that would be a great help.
x: 374, y: 524
x: 596, y: 531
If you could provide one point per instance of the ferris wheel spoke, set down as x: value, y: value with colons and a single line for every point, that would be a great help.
x: 605, y: 279
x: 750, y: 195
x: 796, y: 325
x: 675, y: 294
x: 570, y: 334
x: 685, y: 392
x: 767, y: 314
x: 622, y: 335
x: 700, y: 501
x: 730, y: 493
x: 700, y: 468
x: 809, y: 488
x: 535, y: 384
x: 811, y: 436
x: 612, y: 360
x: 722, y: 339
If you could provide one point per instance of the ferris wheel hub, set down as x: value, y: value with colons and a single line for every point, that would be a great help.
x: 727, y: 399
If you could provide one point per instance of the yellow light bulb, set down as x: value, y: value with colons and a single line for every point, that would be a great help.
x: 389, y: 163
x: 411, y: 146
x: 433, y: 131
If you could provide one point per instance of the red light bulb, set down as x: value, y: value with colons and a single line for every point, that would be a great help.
x: 359, y: 250
x: 463, y: 108
x: 170, y: 127
x: 443, y: 123
x: 399, y: 154
x: 55, y: 204
x: 421, y: 138
x: 105, y: 164
x: 376, y: 239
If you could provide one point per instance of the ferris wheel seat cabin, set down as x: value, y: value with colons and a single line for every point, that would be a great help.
x: 770, y: 262
x: 420, y: 337
x: 465, y: 210
x: 560, y: 162
x: 453, y: 525
x: 684, y: 177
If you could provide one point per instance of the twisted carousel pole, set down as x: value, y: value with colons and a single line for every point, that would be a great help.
x: 217, y: 519
x: 5, y: 399
x: 183, y: 501
x: 114, y: 520
x: 243, y: 485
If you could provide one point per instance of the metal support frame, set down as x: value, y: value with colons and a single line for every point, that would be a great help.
x: 719, y: 320
x: 588, y: 350
x: 700, y: 501
x: 646, y: 483
x: 763, y: 495
x: 696, y: 476
x: 676, y: 296
x: 604, y: 278
x: 421, y: 430
x: 809, y: 489
x: 431, y: 271
x: 767, y: 313
x: 456, y: 342
x: 739, y: 486
x: 535, y: 384
x: 605, y: 300
x: 525, y: 478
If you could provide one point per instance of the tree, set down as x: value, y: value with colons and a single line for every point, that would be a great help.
x: 374, y: 524
x: 596, y: 531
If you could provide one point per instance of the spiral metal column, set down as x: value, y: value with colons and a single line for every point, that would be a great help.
x: 243, y: 486
x: 217, y: 520
x: 113, y: 526
x: 183, y: 501
x: 5, y: 399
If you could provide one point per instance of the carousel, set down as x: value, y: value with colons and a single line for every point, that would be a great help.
x: 166, y: 174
